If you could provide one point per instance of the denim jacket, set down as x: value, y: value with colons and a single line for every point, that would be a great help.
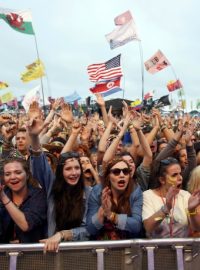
x: 43, y: 173
x: 132, y: 224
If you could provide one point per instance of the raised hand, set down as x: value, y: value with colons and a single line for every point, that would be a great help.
x: 100, y: 100
x: 56, y: 104
x: 66, y: 113
x: 124, y: 108
x: 35, y: 126
x: 111, y: 118
x: 34, y: 111
x: 76, y: 128
x: 194, y: 200
x: 106, y: 201
x: 170, y: 196
x: 9, y: 129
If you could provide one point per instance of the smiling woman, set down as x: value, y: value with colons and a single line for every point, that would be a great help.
x: 115, y: 207
x: 23, y: 205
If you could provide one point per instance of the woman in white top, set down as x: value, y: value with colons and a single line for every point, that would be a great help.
x: 167, y: 209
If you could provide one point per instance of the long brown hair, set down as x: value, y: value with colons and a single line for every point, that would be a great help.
x: 68, y: 200
x: 123, y: 204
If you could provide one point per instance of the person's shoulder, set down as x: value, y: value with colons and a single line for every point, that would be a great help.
x: 136, y: 192
x: 184, y: 193
x: 149, y: 193
x: 97, y: 187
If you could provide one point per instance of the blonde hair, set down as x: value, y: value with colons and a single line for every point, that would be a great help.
x: 194, y: 181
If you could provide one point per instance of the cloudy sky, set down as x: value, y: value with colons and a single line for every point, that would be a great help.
x: 71, y: 35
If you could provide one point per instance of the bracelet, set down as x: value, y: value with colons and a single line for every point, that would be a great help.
x: 7, y: 202
x: 192, y: 213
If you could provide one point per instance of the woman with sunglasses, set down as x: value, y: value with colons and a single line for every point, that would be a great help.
x: 115, y: 206
x: 66, y: 194
x: 22, y: 204
x: 167, y: 209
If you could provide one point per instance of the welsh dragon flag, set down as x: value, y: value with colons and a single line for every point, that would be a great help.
x: 20, y: 21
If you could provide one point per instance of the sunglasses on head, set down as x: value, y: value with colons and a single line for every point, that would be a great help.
x: 117, y: 171
x: 168, y: 161
x: 68, y: 155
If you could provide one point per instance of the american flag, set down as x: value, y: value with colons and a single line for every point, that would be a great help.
x: 105, y: 71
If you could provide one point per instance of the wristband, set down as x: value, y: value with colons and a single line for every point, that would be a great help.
x: 193, y: 213
x: 7, y: 202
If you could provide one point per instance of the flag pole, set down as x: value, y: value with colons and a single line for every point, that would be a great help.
x: 123, y: 90
x: 40, y: 77
x: 142, y: 66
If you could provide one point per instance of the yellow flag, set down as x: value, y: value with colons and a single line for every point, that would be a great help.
x: 3, y: 85
x: 183, y: 104
x: 7, y: 97
x: 33, y: 71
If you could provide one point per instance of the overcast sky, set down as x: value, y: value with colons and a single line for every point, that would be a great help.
x: 71, y: 35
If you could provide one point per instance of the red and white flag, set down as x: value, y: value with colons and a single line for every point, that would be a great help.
x: 123, y: 18
x: 156, y: 63
x: 148, y: 95
x: 107, y: 88
x: 174, y: 85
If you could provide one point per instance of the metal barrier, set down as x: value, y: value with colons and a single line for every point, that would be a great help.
x: 181, y: 254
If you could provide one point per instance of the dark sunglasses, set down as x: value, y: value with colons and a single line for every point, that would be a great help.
x: 117, y: 171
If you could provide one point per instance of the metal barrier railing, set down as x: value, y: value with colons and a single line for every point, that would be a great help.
x: 176, y: 253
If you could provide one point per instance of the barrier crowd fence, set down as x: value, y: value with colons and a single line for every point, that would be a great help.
x: 169, y: 254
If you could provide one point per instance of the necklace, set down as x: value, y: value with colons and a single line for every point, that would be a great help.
x: 170, y: 216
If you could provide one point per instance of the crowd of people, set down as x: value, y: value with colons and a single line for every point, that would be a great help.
x: 98, y: 176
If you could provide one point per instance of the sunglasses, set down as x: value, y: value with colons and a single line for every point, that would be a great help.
x: 168, y: 161
x: 117, y: 171
x: 68, y: 155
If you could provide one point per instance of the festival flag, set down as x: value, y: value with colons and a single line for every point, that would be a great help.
x: 107, y: 88
x: 148, y: 95
x: 136, y: 105
x: 124, y: 32
x: 3, y: 85
x: 76, y: 104
x: 156, y: 63
x: 123, y: 18
x: 183, y: 104
x: 33, y: 71
x: 87, y: 101
x: 163, y: 101
x: 105, y: 71
x: 174, y: 85
x: 13, y: 103
x: 32, y: 95
x: 73, y: 97
x: 20, y: 21
x: 6, y: 97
